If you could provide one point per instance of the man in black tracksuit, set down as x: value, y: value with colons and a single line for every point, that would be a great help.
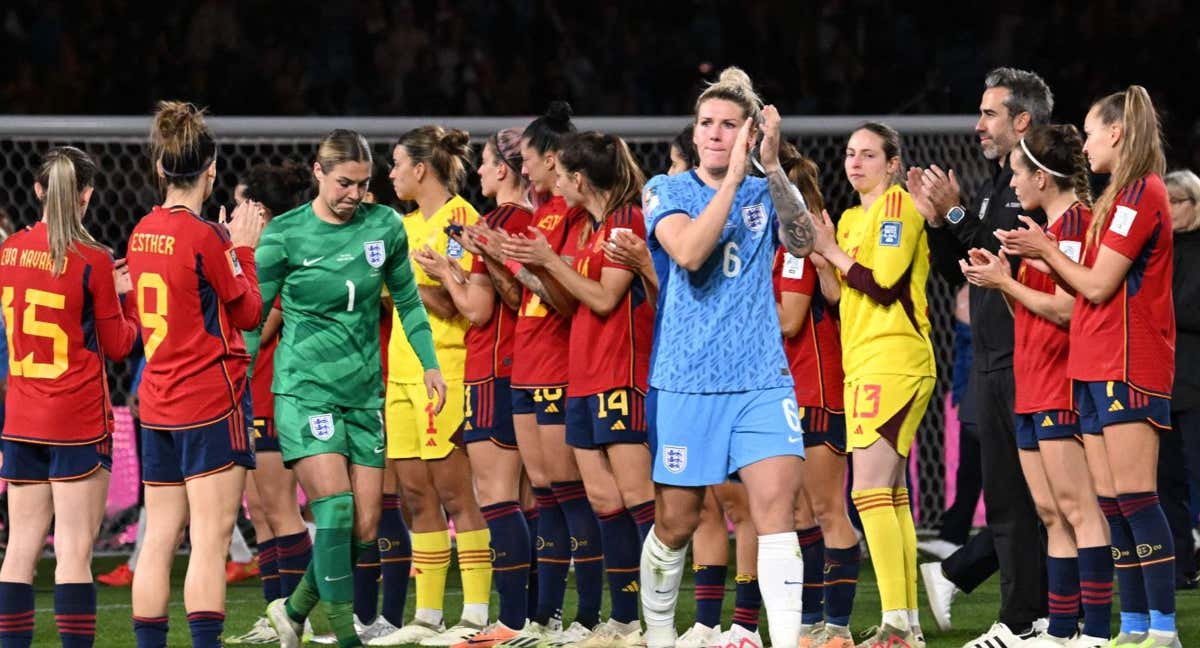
x: 1013, y: 101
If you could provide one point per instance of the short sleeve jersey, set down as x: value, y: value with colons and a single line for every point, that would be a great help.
x: 886, y: 338
x: 448, y: 334
x: 613, y: 350
x: 815, y: 352
x: 490, y: 346
x: 718, y: 331
x: 57, y: 384
x: 1042, y: 347
x: 331, y: 278
x: 1131, y: 336
x: 542, y: 334
x: 185, y: 272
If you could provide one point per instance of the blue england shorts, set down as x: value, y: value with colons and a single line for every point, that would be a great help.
x: 38, y: 463
x: 1045, y: 426
x: 703, y: 439
x: 1103, y: 403
x: 548, y: 403
x: 266, y: 439
x: 614, y: 416
x: 489, y: 418
x: 823, y: 427
x: 170, y: 457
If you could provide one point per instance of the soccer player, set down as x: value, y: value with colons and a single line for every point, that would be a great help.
x: 718, y: 356
x: 284, y: 546
x: 429, y: 165
x: 62, y: 318
x: 1122, y: 350
x: 567, y: 528
x: 1050, y: 173
x: 487, y: 430
x: 807, y: 295
x: 195, y: 288
x: 329, y: 259
x: 611, y: 332
x: 882, y: 255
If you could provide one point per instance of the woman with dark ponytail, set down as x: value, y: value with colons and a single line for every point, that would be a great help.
x: 611, y: 334
x: 284, y: 546
x: 62, y: 318
x: 1050, y: 173
x: 1122, y: 350
x: 196, y: 288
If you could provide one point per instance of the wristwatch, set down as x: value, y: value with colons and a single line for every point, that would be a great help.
x: 956, y: 214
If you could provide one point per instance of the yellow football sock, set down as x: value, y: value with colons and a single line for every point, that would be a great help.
x: 475, y: 564
x: 884, y: 540
x: 908, y: 539
x: 431, y: 559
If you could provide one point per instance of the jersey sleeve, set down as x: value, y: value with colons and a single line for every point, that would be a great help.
x: 659, y: 201
x: 629, y: 218
x: 1070, y: 231
x: 1136, y: 218
x: 797, y: 275
x: 232, y: 273
x: 115, y: 332
x: 402, y: 283
x: 893, y: 244
x: 271, y: 259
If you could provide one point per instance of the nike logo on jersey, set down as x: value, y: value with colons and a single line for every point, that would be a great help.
x: 378, y: 449
x: 310, y: 262
x: 334, y: 580
x: 794, y: 439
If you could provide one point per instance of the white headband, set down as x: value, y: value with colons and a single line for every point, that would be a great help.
x: 1039, y: 165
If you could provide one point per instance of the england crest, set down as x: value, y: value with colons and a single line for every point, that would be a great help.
x: 674, y: 458
x: 755, y: 217
x: 375, y: 252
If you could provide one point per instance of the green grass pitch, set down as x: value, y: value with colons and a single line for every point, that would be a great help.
x: 971, y: 614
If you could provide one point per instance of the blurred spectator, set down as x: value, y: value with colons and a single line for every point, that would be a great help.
x: 1179, y: 456
x: 434, y: 57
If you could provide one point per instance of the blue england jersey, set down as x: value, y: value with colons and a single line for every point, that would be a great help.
x: 717, y: 328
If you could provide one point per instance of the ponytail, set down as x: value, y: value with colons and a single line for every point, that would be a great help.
x: 1139, y: 153
x: 64, y: 174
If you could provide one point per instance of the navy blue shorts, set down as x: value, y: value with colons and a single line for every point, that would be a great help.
x: 489, y: 418
x: 1045, y: 426
x: 170, y: 457
x: 614, y: 416
x: 38, y: 463
x: 824, y: 427
x: 266, y: 439
x: 548, y: 403
x: 1103, y: 403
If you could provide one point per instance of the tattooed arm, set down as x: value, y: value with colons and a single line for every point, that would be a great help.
x: 795, y: 222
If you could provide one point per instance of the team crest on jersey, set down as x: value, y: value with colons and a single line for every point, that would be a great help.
x: 321, y: 426
x: 889, y: 234
x: 649, y: 200
x: 454, y: 249
x: 376, y: 253
x: 674, y: 458
x: 755, y: 217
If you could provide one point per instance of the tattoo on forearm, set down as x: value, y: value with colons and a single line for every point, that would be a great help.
x: 530, y: 281
x: 795, y: 223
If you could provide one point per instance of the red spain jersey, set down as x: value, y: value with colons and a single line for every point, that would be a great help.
x: 609, y: 351
x: 490, y: 346
x: 264, y: 371
x: 195, y: 292
x: 1131, y: 337
x: 542, y: 334
x: 1042, y: 347
x: 815, y: 353
x: 59, y: 331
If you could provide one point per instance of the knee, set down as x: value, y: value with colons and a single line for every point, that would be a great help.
x: 634, y: 495
x: 366, y: 527
x: 457, y: 500
x: 675, y: 528
x: 604, y: 502
x: 1048, y: 513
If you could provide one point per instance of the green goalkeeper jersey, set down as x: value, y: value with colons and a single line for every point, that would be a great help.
x: 331, y: 279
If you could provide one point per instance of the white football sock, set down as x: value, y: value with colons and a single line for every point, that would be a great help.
x: 661, y: 573
x: 781, y: 580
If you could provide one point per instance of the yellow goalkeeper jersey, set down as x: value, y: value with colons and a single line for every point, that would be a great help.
x: 884, y: 318
x: 448, y: 334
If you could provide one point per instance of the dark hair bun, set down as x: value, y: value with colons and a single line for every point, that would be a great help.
x: 456, y: 141
x: 559, y: 113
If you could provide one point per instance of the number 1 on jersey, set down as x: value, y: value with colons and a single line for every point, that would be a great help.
x: 350, y: 298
